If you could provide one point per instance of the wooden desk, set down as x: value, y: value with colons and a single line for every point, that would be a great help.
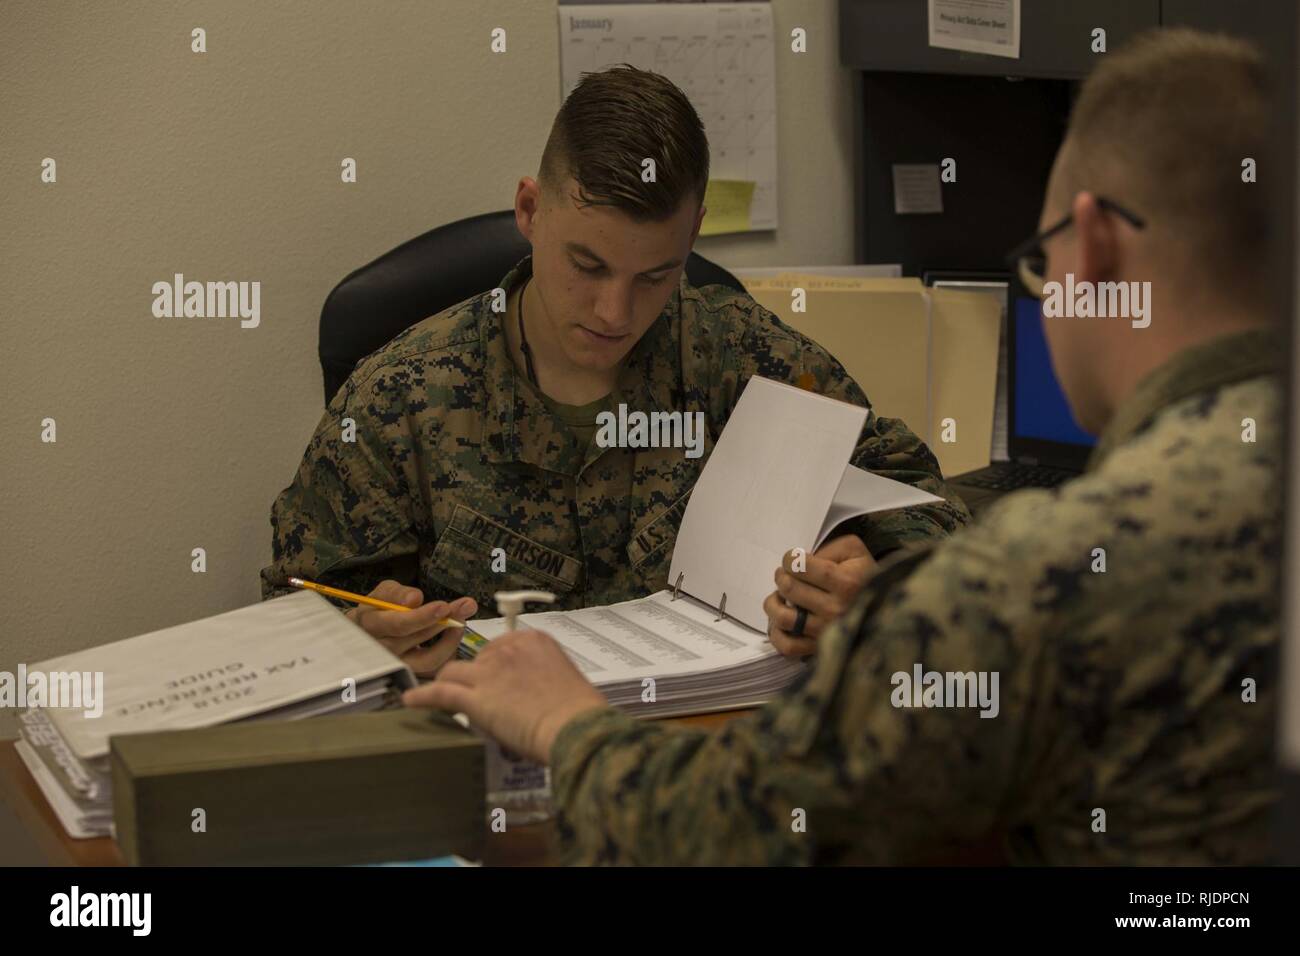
x: 31, y: 835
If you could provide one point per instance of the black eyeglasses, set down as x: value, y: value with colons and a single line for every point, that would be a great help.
x: 1028, y: 258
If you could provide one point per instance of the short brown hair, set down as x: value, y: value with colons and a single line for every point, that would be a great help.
x: 1163, y: 126
x: 610, y: 123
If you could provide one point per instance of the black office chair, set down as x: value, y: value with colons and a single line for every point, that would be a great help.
x: 427, y: 274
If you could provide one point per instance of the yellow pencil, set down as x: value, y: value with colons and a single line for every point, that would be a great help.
x: 362, y: 599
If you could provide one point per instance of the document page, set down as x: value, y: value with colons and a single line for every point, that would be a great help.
x: 650, y: 637
x: 765, y: 489
x: 863, y: 493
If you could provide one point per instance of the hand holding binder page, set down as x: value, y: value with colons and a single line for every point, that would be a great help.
x: 742, y: 519
x: 703, y: 645
x: 812, y: 590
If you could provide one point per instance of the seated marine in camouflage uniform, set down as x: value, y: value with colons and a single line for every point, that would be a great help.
x: 1104, y: 653
x: 474, y: 467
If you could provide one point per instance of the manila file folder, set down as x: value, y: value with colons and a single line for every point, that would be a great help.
x: 876, y: 328
x: 927, y: 356
x: 965, y: 327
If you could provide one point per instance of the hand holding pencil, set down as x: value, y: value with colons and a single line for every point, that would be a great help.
x: 397, y: 617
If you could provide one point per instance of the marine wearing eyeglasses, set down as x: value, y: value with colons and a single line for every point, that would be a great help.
x: 1030, y: 262
x: 1131, y: 615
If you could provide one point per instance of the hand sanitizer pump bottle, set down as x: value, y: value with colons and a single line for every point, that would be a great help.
x: 519, y: 787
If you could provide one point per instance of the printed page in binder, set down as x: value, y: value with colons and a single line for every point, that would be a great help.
x: 659, y: 656
x: 654, y: 636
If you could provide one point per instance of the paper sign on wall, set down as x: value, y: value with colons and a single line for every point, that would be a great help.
x: 976, y: 26
x: 916, y: 188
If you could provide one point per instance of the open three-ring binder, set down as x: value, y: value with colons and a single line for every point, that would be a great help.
x: 778, y: 478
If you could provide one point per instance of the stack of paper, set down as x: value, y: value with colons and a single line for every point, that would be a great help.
x: 656, y: 657
x: 703, y: 646
x: 288, y: 658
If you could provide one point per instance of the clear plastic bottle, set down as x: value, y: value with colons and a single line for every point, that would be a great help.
x: 518, y: 786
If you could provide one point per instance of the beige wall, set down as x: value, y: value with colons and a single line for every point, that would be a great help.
x: 175, y: 434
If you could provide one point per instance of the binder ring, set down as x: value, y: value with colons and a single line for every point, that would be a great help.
x: 678, y: 586
x: 722, y: 607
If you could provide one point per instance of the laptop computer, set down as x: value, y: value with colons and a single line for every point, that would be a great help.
x: 1045, y: 446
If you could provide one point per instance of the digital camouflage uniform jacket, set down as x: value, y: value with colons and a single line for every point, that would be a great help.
x: 457, y: 455
x: 1123, y: 691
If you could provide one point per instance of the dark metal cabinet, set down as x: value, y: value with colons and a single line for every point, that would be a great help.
x: 1263, y: 22
x: 1055, y: 37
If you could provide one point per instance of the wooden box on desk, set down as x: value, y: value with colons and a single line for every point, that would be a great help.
x: 362, y: 788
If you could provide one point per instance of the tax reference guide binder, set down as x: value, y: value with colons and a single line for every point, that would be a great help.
x: 288, y: 658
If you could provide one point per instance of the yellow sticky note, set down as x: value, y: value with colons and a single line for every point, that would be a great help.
x: 727, y: 202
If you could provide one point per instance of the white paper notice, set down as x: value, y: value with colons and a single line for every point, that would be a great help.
x: 916, y: 188
x: 976, y: 26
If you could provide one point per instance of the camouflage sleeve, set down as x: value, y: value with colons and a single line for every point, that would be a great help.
x: 346, y: 519
x: 837, y: 769
x: 887, y: 447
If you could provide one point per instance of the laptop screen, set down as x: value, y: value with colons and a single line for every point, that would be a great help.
x: 1040, y: 412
